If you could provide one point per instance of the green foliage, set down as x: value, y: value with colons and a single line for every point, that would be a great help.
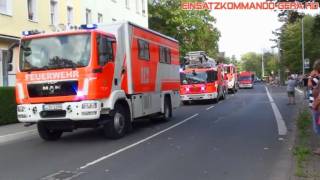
x: 8, y: 106
x: 193, y: 29
x: 290, y: 42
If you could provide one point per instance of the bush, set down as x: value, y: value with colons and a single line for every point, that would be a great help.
x: 8, y: 107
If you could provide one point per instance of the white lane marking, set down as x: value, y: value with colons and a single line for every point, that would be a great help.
x: 301, y: 92
x: 137, y: 143
x: 210, y: 108
x: 14, y: 136
x: 282, y: 128
x: 232, y: 95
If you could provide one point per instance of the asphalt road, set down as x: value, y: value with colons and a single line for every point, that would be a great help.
x: 236, y: 139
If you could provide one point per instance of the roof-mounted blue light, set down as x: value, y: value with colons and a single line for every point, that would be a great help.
x: 89, y: 26
x: 32, y: 32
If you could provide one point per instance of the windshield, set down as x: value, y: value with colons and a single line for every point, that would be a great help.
x: 68, y: 51
x: 198, y: 77
x: 245, y: 78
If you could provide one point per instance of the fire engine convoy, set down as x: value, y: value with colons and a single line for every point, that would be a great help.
x: 246, y: 79
x: 202, y: 79
x: 104, y: 76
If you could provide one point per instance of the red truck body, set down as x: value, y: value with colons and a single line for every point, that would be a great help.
x: 246, y: 79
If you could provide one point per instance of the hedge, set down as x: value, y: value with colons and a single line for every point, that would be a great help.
x: 8, y: 107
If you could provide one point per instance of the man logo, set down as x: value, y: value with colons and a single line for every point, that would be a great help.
x: 52, y: 88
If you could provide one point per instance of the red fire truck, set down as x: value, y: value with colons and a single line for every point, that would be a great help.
x: 104, y: 76
x: 246, y: 79
x: 232, y: 77
x: 202, y: 79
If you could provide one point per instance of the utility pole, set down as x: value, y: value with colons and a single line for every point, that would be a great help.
x: 279, y: 60
x: 262, y: 66
x: 302, y: 44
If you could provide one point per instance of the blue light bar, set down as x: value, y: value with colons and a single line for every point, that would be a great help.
x: 89, y: 26
x: 25, y: 33
x: 32, y: 32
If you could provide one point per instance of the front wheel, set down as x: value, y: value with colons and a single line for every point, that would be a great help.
x: 119, y: 122
x: 47, y: 133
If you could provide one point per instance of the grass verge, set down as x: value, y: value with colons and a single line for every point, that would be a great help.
x: 302, y: 150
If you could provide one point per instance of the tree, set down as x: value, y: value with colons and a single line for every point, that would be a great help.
x: 193, y: 29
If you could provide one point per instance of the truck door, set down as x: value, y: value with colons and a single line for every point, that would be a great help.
x: 105, y: 70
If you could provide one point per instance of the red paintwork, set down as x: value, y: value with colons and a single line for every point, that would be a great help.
x: 101, y: 83
x: 208, y: 87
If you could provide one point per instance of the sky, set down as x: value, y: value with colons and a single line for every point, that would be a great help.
x: 246, y: 30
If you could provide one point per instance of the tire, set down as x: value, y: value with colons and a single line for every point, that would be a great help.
x: 223, y: 97
x: 46, y: 134
x: 185, y: 103
x: 119, y: 123
x: 167, y: 114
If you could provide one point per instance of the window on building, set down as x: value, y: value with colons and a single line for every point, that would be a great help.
x: 32, y: 10
x: 88, y: 16
x: 5, y: 7
x: 137, y: 7
x: 164, y: 55
x: 100, y: 18
x: 69, y: 15
x: 53, y: 12
x: 143, y: 5
x: 143, y: 47
x: 127, y: 4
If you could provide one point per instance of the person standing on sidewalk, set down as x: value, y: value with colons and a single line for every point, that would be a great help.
x: 290, y: 89
x: 314, y: 99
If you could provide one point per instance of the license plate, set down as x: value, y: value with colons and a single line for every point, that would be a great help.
x: 52, y: 107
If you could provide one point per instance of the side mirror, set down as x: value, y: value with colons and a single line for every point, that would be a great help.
x: 9, y: 67
x: 10, y: 51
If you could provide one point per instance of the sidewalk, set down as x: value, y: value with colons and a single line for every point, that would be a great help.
x: 15, y: 131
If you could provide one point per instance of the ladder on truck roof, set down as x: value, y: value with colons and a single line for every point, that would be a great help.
x: 199, y: 59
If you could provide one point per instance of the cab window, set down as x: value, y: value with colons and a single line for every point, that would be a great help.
x: 105, y: 49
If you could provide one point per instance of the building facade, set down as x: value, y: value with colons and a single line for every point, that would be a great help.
x: 108, y: 11
x: 49, y: 15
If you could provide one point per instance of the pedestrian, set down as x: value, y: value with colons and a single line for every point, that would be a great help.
x: 314, y: 99
x: 290, y: 89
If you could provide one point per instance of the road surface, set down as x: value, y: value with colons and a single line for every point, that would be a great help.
x: 236, y: 139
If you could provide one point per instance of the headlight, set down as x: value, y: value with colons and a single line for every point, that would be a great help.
x: 90, y: 105
x: 21, y: 108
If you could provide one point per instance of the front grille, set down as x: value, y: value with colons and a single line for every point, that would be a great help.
x: 53, y: 114
x: 63, y: 88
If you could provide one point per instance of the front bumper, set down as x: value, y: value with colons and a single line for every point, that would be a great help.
x: 191, y: 97
x: 69, y: 111
x: 245, y: 85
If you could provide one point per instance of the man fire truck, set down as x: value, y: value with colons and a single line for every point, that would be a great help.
x: 202, y: 79
x: 246, y: 79
x: 232, y: 77
x: 104, y: 76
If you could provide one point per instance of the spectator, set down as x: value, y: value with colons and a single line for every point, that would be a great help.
x: 314, y: 86
x: 290, y: 89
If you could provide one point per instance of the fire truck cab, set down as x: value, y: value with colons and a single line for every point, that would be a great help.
x: 106, y: 76
x: 232, y: 77
x: 202, y: 79
x: 246, y: 79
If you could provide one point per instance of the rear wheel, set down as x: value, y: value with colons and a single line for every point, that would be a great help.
x: 47, y: 133
x: 118, y: 124
x: 167, y: 109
